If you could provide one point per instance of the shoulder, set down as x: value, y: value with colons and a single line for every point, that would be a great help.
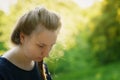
x: 4, y: 66
x: 2, y: 63
x: 2, y: 69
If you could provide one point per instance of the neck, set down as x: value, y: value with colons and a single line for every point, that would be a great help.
x: 16, y: 56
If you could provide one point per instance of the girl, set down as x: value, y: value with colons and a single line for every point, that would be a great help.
x: 34, y: 35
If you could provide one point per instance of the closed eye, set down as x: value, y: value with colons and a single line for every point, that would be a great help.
x: 41, y: 46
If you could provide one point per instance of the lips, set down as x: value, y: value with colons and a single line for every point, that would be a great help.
x: 40, y: 58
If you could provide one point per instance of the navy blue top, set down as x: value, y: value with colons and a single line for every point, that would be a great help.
x: 9, y: 71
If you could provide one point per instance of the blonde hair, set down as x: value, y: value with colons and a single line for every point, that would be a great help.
x: 42, y: 70
x: 29, y: 21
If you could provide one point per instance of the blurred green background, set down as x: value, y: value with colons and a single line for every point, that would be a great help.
x: 88, y: 44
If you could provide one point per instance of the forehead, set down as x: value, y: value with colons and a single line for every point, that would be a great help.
x: 47, y: 37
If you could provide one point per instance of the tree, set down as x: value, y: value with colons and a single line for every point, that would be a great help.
x: 105, y: 39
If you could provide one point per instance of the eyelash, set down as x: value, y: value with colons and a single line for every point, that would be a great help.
x: 40, y: 46
x: 43, y: 46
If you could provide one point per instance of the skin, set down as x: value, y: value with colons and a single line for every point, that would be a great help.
x: 34, y: 47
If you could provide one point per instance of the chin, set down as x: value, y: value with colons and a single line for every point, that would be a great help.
x: 38, y: 60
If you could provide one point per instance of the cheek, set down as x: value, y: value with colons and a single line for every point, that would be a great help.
x: 33, y: 51
x: 28, y: 49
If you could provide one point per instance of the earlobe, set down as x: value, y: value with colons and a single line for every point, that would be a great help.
x: 22, y: 36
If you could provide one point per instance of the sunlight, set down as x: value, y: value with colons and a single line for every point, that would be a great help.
x: 5, y: 5
x: 84, y: 4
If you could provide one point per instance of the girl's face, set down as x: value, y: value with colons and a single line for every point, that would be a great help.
x: 38, y: 45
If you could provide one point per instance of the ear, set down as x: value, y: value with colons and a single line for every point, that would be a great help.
x: 22, y: 37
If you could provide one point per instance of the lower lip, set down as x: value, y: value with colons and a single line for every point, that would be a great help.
x: 40, y: 58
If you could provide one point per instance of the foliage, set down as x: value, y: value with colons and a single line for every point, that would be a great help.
x: 109, y: 72
x: 105, y: 39
x: 3, y: 46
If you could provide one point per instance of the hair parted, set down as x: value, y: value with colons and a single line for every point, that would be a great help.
x: 30, y: 21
